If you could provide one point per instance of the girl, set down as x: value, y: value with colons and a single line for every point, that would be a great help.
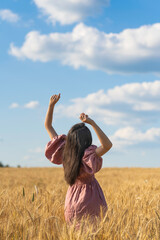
x: 81, y: 160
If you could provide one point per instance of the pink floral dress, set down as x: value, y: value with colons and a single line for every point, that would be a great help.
x: 85, y: 197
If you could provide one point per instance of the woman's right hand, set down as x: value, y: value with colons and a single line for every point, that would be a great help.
x: 84, y: 118
x: 54, y: 99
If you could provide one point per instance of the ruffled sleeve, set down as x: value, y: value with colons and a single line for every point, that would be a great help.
x: 54, y: 149
x: 91, y: 162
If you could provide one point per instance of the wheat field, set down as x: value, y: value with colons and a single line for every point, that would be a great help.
x: 32, y: 205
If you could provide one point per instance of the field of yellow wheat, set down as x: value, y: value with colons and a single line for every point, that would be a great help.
x: 32, y: 205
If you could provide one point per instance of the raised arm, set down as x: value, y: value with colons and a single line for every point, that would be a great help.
x: 104, y: 140
x: 49, y: 116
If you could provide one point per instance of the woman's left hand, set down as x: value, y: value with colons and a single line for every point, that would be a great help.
x: 54, y: 99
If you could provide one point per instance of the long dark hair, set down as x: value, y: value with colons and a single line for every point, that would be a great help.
x: 78, y: 139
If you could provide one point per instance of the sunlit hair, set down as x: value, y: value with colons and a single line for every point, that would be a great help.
x: 78, y: 139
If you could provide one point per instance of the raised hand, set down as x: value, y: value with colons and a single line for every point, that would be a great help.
x: 54, y: 99
x: 84, y: 118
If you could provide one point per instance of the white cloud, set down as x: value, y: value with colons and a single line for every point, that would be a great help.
x: 133, y: 104
x: 31, y: 105
x: 70, y: 11
x: 130, y: 51
x: 37, y: 150
x: 14, y: 105
x: 140, y: 96
x: 8, y: 16
x: 107, y: 116
x: 130, y: 136
x: 26, y: 157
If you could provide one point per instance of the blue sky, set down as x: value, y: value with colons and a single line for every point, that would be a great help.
x: 102, y: 56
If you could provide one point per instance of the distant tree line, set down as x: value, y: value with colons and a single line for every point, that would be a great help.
x: 2, y: 165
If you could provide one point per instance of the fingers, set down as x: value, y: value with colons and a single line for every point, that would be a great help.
x: 59, y: 95
x: 83, y: 117
x: 82, y: 114
x: 54, y: 98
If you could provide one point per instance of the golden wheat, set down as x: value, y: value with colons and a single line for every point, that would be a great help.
x: 32, y: 205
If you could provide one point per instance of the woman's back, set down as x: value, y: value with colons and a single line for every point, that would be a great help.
x: 85, y: 196
x: 81, y: 161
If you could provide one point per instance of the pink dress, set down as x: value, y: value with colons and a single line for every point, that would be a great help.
x: 85, y: 197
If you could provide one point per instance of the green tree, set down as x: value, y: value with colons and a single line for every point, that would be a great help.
x: 1, y: 164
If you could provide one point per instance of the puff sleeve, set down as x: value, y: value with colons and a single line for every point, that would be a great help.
x: 91, y: 162
x: 54, y: 149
